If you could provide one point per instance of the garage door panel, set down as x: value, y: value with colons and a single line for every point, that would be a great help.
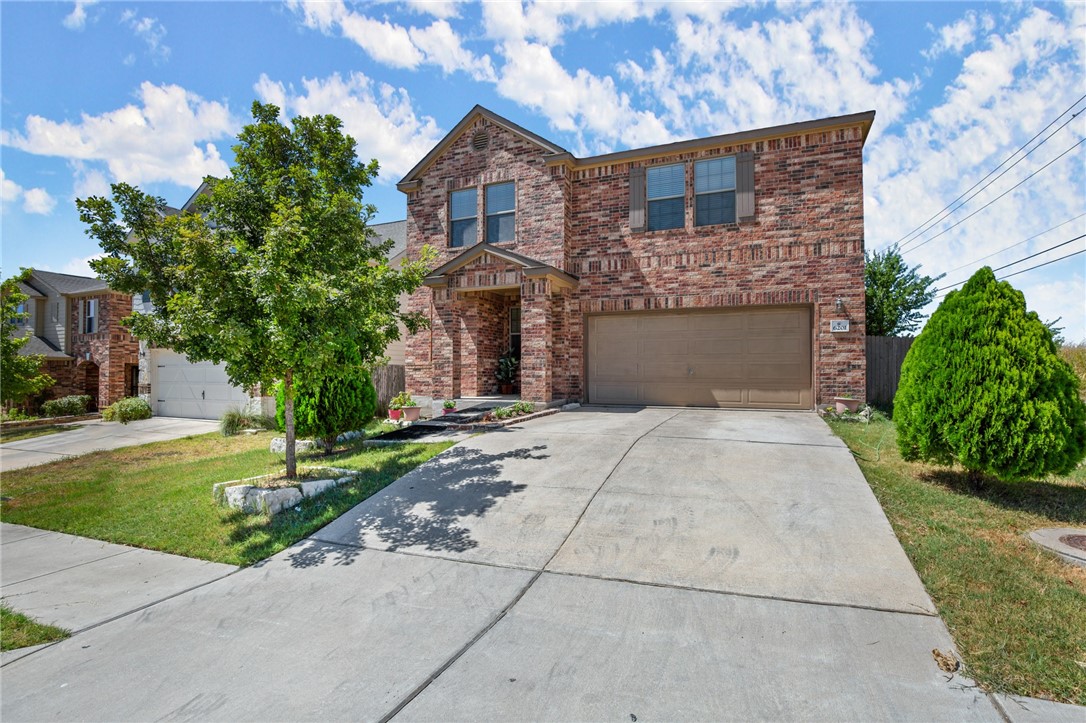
x: 716, y: 358
x: 200, y: 390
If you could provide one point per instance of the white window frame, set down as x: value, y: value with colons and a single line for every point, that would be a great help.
x: 487, y: 214
x: 90, y: 316
x: 454, y: 219
x: 650, y: 200
x: 723, y: 190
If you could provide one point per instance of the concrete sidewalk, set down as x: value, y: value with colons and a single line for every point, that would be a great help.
x: 600, y: 564
x: 95, y: 435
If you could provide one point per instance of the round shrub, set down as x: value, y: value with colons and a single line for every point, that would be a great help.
x: 336, y: 404
x: 984, y: 386
x: 126, y: 410
x: 66, y: 406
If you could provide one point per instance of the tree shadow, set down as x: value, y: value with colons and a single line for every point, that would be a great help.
x: 1062, y: 503
x: 428, y: 507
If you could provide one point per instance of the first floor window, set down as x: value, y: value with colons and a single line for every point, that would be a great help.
x: 501, y: 201
x: 90, y: 316
x: 463, y: 212
x: 714, y: 191
x: 665, y: 192
x: 514, y: 330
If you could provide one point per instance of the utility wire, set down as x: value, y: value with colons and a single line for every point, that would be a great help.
x: 1016, y: 245
x: 917, y: 231
x: 961, y: 221
x: 1016, y: 273
x: 1024, y: 258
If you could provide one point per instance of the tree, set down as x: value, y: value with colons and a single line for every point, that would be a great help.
x: 279, y: 276
x: 334, y: 404
x: 895, y: 293
x: 20, y: 376
x: 984, y: 385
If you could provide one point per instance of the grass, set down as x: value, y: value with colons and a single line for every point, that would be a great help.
x: 158, y: 496
x: 15, y: 435
x: 1016, y: 611
x: 19, y: 631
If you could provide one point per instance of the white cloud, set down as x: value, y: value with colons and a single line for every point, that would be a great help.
x: 77, y: 18
x: 76, y: 266
x: 163, y: 138
x: 151, y: 32
x: 89, y: 181
x: 443, y: 9
x: 378, y: 116
x: 35, y: 200
x: 956, y: 36
x: 394, y: 45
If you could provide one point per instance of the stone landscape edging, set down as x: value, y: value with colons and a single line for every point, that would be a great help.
x: 253, y: 499
x: 48, y: 421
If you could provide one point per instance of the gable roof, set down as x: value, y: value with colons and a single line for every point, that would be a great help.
x: 29, y: 290
x: 38, y: 345
x: 67, y: 284
x: 410, y: 181
x: 531, y: 268
x: 397, y: 232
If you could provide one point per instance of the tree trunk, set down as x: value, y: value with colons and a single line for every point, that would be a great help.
x: 288, y: 413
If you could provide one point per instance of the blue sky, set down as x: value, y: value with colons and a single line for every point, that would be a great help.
x: 153, y: 93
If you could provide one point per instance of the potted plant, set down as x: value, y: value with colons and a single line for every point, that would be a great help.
x: 405, y: 404
x: 394, y: 411
x: 507, y: 372
x: 448, y: 406
x: 846, y: 403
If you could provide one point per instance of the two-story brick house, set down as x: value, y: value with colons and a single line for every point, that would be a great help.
x: 74, y: 323
x: 723, y: 271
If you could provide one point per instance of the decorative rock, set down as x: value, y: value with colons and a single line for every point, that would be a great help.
x: 570, y: 407
x: 275, y: 501
x: 279, y: 445
x: 236, y: 496
x: 344, y: 480
x: 315, y: 487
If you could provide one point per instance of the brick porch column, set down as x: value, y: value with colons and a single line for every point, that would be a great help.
x: 536, y: 338
x: 445, y: 338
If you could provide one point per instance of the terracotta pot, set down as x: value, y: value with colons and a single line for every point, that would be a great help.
x: 447, y: 411
x: 395, y: 414
x: 506, y: 388
x: 411, y: 414
x: 846, y: 405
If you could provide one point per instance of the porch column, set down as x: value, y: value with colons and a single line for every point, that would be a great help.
x: 445, y: 337
x: 536, y: 338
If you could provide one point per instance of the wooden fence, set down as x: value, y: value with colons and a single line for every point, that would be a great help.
x: 390, y: 380
x: 884, y: 357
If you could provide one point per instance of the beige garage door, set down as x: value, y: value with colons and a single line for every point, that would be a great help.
x: 720, y: 358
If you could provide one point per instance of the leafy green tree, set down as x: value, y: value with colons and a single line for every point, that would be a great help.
x: 984, y: 385
x: 279, y: 276
x: 895, y: 293
x: 20, y: 376
x: 326, y: 408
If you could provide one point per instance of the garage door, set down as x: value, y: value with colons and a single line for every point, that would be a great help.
x: 181, y: 388
x: 720, y: 358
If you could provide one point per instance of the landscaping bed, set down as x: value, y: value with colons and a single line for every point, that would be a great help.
x: 1017, y: 612
x: 29, y: 431
x: 158, y: 496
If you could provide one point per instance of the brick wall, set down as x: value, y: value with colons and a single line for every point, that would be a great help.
x: 111, y: 347
x: 804, y: 246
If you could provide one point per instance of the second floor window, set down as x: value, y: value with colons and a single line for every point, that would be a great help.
x: 463, y: 213
x: 90, y: 316
x: 20, y: 309
x: 665, y: 191
x: 714, y: 191
x: 501, y: 201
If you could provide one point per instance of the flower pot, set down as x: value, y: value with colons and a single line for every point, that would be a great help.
x: 448, y: 411
x: 411, y: 414
x: 506, y: 388
x: 395, y: 414
x: 845, y: 404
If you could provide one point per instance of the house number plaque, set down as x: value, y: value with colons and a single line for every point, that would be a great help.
x: 837, y: 325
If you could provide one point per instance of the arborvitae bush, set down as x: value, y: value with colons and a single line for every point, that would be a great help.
x: 984, y: 386
x: 339, y: 403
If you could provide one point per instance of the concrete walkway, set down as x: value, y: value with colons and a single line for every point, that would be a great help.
x: 599, y: 564
x: 94, y: 435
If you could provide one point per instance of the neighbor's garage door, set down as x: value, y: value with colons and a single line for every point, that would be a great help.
x: 184, y: 389
x: 758, y: 357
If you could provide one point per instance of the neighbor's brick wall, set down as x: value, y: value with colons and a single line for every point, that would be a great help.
x: 111, y: 347
x: 804, y: 247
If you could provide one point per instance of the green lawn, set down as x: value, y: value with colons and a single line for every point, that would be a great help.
x: 1017, y: 612
x: 19, y: 631
x: 14, y: 435
x: 158, y: 496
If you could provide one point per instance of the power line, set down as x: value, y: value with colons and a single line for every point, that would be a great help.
x: 1016, y: 273
x: 915, y: 231
x: 960, y: 222
x: 1016, y: 245
x: 1024, y: 258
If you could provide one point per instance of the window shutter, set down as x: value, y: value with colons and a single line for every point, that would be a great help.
x: 637, y: 199
x: 744, y: 186
x: 82, y: 305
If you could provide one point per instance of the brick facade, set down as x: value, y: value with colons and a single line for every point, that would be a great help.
x: 112, y: 350
x: 804, y: 246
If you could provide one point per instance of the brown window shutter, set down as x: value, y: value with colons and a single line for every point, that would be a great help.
x: 744, y: 186
x: 637, y: 199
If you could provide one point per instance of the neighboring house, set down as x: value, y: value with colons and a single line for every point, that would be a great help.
x: 75, y: 324
x: 719, y: 272
x: 396, y: 231
x: 177, y: 387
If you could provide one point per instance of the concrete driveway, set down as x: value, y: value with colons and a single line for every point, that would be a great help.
x: 618, y: 564
x: 95, y: 435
